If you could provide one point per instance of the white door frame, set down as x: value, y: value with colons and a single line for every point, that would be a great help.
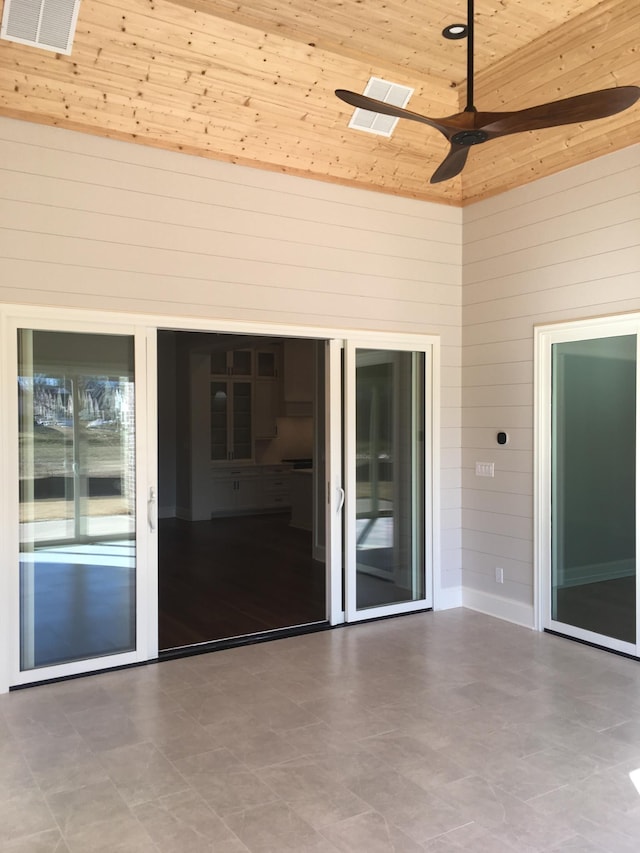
x: 429, y: 525
x: 544, y: 338
x: 334, y: 481
x: 146, y: 624
x: 145, y: 328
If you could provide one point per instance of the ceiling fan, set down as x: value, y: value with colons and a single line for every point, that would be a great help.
x: 471, y: 127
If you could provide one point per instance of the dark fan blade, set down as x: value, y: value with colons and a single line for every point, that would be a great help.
x: 374, y: 106
x: 452, y: 164
x: 593, y: 105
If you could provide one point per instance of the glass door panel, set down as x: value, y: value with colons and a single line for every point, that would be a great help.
x: 242, y: 436
x: 77, y: 468
x: 241, y: 362
x: 593, y: 487
x: 386, y: 485
x: 219, y: 417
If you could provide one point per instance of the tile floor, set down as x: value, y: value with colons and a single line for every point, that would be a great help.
x: 433, y: 732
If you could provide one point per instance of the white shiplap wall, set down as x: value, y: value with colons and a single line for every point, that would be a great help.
x: 562, y: 248
x: 94, y: 223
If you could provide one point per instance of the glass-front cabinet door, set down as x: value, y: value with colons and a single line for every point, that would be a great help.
x: 231, y: 420
x: 78, y: 560
x: 387, y: 442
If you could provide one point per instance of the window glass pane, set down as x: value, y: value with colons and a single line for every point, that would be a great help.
x: 241, y: 362
x: 219, y: 408
x: 77, y: 496
x: 389, y: 477
x: 593, y: 485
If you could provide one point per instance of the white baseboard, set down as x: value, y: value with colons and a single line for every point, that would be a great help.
x: 501, y: 608
x: 183, y: 513
x: 579, y: 575
x: 447, y: 598
x: 166, y: 512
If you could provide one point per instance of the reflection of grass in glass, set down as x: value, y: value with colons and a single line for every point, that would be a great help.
x: 385, y: 490
x: 51, y: 448
x: 53, y: 451
x: 58, y: 509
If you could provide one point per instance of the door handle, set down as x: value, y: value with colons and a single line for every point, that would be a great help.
x: 151, y: 508
x: 341, y: 504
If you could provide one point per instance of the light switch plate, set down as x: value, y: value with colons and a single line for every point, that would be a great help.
x: 484, y: 469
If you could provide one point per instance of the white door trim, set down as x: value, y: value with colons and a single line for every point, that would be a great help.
x: 334, y: 482
x: 544, y: 338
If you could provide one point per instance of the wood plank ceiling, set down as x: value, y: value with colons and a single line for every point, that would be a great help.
x: 253, y: 83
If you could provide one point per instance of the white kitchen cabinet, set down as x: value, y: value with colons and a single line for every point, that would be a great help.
x: 266, y: 406
x: 246, y: 489
x: 237, y: 362
x: 266, y: 392
x: 267, y: 363
x: 298, y: 377
x: 276, y: 487
x: 235, y: 491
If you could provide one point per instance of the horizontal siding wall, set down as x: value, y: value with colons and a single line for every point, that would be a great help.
x: 87, y: 222
x: 563, y: 248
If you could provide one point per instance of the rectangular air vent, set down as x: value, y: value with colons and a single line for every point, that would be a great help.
x: 390, y: 93
x: 49, y: 24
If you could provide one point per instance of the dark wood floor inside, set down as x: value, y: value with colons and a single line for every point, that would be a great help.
x: 230, y: 577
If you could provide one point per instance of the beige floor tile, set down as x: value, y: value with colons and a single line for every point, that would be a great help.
x: 439, y: 731
x: 186, y: 739
x: 473, y: 838
x: 43, y: 842
x: 506, y: 816
x: 82, y: 807
x: 15, y: 775
x: 312, y: 792
x: 124, y: 834
x: 275, y: 827
x: 237, y: 790
x: 419, y: 813
x: 105, y: 727
x: 69, y: 772
x: 24, y: 812
x: 184, y: 823
x: 264, y: 748
x: 27, y: 720
x: 372, y: 833
x: 141, y: 773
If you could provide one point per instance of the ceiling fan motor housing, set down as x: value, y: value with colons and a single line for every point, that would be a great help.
x: 469, y: 137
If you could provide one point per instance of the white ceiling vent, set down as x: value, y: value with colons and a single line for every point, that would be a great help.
x: 49, y: 24
x: 390, y: 93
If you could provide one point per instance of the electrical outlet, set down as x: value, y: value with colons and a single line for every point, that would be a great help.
x: 499, y: 575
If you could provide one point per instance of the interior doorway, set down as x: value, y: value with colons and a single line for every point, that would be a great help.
x: 241, y: 547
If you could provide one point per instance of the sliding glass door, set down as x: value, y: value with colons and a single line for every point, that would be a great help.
x: 590, y: 589
x: 78, y: 572
x: 387, y: 441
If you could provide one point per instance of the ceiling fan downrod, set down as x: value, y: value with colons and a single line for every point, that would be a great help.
x: 470, y: 43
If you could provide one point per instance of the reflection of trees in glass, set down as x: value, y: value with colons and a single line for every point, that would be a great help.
x: 103, y: 404
x: 374, y: 423
x: 100, y: 399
